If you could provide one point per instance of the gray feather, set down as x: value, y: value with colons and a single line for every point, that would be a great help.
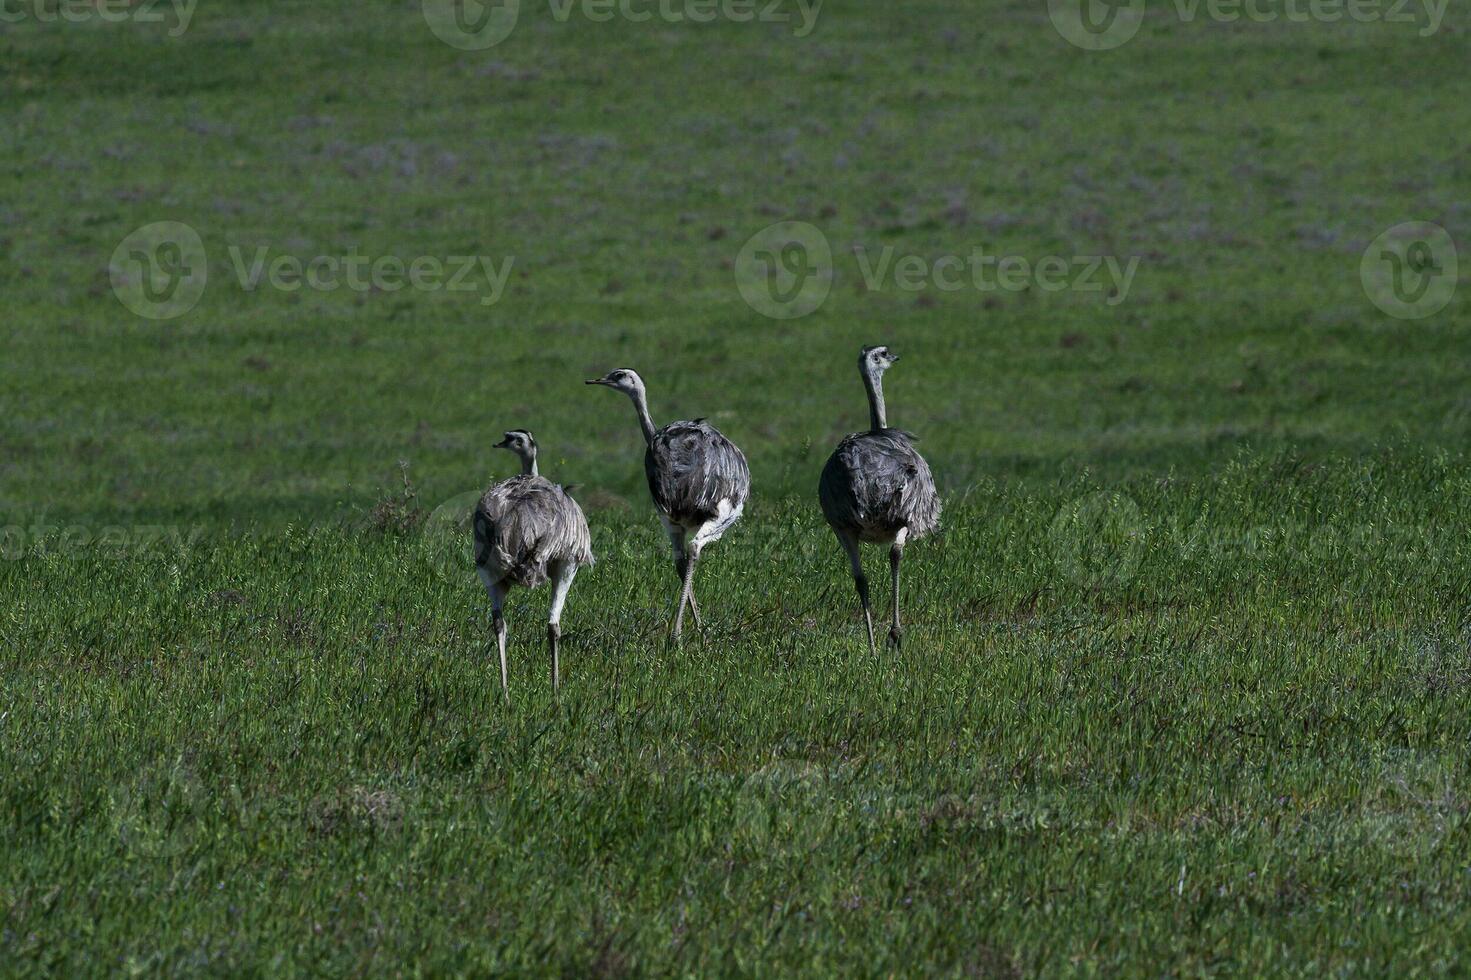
x: 691, y: 467
x: 876, y: 483
x: 525, y: 523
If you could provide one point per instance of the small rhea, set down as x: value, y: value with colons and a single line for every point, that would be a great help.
x: 698, y: 479
x: 528, y: 530
x: 877, y: 488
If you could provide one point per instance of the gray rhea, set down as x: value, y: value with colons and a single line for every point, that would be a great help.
x: 528, y: 531
x: 877, y: 488
x: 698, y: 479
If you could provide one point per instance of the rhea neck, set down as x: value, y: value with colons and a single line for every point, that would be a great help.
x: 641, y: 406
x: 528, y: 463
x: 873, y: 382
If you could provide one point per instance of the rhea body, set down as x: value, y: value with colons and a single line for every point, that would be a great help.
x: 698, y: 479
x: 528, y: 531
x: 877, y: 488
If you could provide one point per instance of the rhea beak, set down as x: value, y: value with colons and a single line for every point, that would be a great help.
x: 503, y: 444
x: 596, y: 381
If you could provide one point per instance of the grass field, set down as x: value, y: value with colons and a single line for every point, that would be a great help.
x: 1185, y: 679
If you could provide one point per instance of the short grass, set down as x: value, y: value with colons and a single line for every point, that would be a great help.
x: 1143, y: 728
x: 1184, y: 684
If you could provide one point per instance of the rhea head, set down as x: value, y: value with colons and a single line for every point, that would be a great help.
x: 875, y: 360
x: 520, y: 442
x: 628, y: 382
x: 623, y: 379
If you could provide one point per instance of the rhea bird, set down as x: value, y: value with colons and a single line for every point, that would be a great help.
x: 877, y: 488
x: 528, y: 531
x: 698, y: 479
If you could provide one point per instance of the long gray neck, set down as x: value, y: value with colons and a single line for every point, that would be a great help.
x: 645, y: 422
x: 874, y: 383
x: 528, y: 464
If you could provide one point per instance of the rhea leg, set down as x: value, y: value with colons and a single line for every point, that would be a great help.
x: 686, y: 591
x: 896, y: 554
x: 695, y: 607
x: 849, y: 541
x: 681, y: 559
x: 562, y: 575
x: 498, y: 592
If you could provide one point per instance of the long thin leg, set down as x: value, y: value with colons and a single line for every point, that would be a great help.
x: 498, y: 592
x: 681, y: 559
x: 686, y: 592
x: 896, y: 633
x: 849, y: 541
x: 562, y: 575
x: 695, y: 611
x: 676, y: 543
x: 676, y: 546
x: 896, y: 554
x: 500, y: 639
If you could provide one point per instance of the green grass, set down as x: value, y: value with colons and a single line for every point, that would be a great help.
x: 1228, y: 737
x: 1183, y: 689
